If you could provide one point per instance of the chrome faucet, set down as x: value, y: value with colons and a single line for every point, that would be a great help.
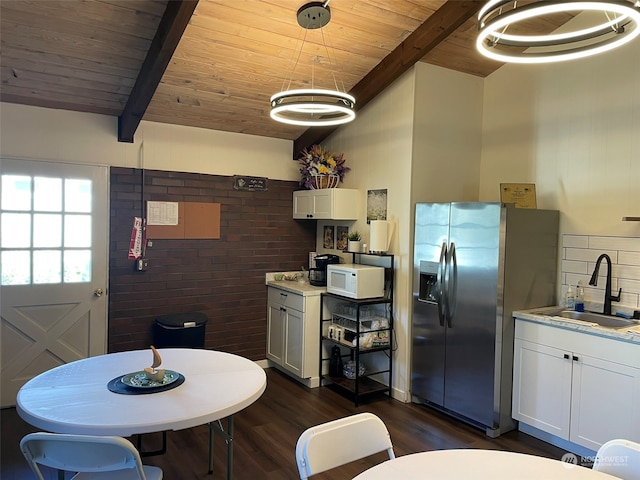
x: 608, y: 297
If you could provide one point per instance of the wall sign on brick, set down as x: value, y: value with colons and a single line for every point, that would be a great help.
x: 250, y: 183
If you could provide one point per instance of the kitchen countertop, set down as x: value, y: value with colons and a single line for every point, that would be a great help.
x: 547, y: 316
x: 294, y: 286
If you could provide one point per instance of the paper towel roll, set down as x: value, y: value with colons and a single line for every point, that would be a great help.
x: 378, y: 241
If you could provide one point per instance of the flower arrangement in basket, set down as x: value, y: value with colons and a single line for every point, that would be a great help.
x: 320, y: 168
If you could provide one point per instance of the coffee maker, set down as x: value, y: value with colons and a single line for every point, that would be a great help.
x: 318, y: 275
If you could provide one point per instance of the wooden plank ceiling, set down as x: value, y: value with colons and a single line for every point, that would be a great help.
x: 217, y: 62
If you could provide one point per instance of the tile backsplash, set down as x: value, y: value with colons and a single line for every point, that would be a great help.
x: 579, y: 255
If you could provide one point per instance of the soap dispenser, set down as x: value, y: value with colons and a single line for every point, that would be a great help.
x: 570, y: 299
x: 579, y: 297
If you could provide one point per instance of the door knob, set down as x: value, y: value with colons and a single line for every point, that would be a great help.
x: 98, y: 292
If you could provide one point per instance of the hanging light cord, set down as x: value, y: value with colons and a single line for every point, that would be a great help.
x: 504, y: 30
x: 313, y: 106
x: 295, y: 63
x: 332, y: 61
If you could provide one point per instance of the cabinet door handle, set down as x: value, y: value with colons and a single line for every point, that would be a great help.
x: 575, y: 358
x: 282, y: 309
x: 566, y: 356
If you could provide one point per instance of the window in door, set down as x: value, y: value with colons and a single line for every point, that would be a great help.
x: 45, y: 230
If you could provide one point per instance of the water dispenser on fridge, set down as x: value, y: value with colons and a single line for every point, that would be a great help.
x: 428, y: 290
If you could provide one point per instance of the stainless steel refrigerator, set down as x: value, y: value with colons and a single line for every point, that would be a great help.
x: 474, y: 263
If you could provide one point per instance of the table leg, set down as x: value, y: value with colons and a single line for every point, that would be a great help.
x: 228, y: 438
x: 230, y: 448
x: 162, y: 450
x: 211, y: 427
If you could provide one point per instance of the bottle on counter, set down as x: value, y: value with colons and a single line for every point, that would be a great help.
x: 579, y: 297
x: 570, y: 302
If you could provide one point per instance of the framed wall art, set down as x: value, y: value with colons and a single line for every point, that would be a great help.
x: 376, y: 205
x: 522, y: 195
x: 341, y: 237
x: 328, y: 237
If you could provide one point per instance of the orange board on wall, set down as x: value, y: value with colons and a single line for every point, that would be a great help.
x: 195, y: 220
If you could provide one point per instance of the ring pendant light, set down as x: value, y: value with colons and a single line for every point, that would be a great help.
x: 619, y: 24
x: 312, y: 106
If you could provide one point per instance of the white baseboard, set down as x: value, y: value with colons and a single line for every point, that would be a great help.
x: 558, y: 442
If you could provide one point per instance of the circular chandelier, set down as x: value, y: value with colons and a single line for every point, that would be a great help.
x: 618, y: 25
x: 312, y: 106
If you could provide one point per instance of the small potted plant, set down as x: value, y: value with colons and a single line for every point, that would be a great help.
x: 353, y: 239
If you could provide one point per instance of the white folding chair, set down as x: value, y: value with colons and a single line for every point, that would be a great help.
x: 341, y: 441
x: 620, y: 458
x: 93, y: 457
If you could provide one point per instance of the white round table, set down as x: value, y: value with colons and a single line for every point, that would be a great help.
x: 74, y: 398
x: 465, y: 464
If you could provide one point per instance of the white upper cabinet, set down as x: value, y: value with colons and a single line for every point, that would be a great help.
x: 327, y: 203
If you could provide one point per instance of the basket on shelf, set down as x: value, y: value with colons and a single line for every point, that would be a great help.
x: 324, y: 181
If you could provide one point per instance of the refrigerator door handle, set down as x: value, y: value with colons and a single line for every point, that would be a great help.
x: 442, y: 291
x: 452, y: 283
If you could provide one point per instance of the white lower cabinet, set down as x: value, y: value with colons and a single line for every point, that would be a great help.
x: 576, y: 386
x: 542, y: 387
x: 293, y: 322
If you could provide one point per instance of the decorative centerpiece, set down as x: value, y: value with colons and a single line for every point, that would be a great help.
x: 153, y: 373
x: 320, y: 168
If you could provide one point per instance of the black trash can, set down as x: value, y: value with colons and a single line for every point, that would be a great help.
x: 180, y: 330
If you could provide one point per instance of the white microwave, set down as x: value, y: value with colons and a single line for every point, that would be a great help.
x: 355, y: 280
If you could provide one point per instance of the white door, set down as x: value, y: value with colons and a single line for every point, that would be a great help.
x: 604, y: 402
x: 542, y: 387
x: 294, y: 341
x: 53, y: 251
x: 275, y: 332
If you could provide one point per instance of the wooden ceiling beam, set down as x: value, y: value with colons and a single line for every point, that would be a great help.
x: 172, y: 25
x: 424, y: 39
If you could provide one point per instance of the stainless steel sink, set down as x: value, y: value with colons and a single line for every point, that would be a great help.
x: 608, y: 321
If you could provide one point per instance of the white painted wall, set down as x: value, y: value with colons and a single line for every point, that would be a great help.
x: 447, y: 136
x: 71, y: 137
x: 573, y: 129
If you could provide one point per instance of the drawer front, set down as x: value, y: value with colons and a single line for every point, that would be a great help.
x: 286, y: 299
x: 611, y: 349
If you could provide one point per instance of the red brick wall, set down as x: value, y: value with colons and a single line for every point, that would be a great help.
x: 223, y: 278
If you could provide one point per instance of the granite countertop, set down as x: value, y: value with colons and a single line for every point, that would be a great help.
x: 548, y: 316
x: 301, y: 287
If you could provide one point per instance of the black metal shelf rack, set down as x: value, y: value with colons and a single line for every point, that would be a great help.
x: 359, y: 326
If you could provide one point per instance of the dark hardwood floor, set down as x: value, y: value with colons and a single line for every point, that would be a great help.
x: 267, y: 431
